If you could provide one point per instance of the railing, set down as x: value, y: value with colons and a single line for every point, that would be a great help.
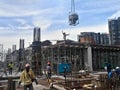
x: 8, y: 83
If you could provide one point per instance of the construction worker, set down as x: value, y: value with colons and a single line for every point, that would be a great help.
x: 27, y: 77
x: 108, y: 67
x: 49, y: 71
x: 117, y: 70
x: 5, y: 71
x: 20, y: 67
x: 10, y: 66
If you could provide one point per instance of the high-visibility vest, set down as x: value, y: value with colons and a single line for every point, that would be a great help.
x: 11, y: 65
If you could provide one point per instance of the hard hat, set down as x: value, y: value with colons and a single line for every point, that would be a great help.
x: 48, y: 63
x: 117, y: 67
x: 27, y: 65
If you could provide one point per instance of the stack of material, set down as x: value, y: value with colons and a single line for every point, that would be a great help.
x: 88, y: 87
x: 83, y: 81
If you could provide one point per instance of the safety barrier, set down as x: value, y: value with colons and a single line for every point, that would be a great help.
x: 8, y: 83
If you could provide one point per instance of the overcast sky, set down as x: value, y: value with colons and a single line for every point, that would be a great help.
x: 19, y: 17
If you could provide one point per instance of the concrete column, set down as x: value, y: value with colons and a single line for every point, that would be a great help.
x: 89, y: 52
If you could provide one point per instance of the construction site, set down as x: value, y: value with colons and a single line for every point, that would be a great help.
x: 75, y: 65
x: 83, y: 80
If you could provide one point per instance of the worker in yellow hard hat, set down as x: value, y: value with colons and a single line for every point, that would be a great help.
x: 27, y: 77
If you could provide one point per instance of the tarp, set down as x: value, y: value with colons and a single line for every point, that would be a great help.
x: 64, y: 67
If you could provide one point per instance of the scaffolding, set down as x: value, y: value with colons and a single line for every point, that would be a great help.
x: 103, y: 54
x: 65, y: 54
x: 36, y: 57
x: 79, y: 57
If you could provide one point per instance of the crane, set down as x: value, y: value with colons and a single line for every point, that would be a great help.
x: 73, y: 17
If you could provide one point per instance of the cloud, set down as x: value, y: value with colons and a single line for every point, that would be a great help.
x: 6, y: 31
x: 28, y: 8
x: 99, y: 5
x: 8, y: 41
x: 12, y: 10
x: 43, y: 25
x: 18, y: 12
x: 22, y: 21
x: 25, y: 1
x: 4, y: 28
x: 57, y: 34
x: 54, y: 35
x: 115, y: 15
x: 24, y: 28
x: 16, y: 32
x: 19, y: 17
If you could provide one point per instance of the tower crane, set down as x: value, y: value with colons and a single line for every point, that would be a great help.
x: 73, y: 17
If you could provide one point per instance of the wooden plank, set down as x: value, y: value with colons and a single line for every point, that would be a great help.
x: 3, y: 86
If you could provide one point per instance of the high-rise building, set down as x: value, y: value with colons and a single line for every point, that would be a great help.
x: 93, y: 38
x: 21, y: 60
x: 89, y: 37
x: 21, y: 44
x: 36, y: 33
x: 1, y: 52
x: 9, y: 51
x: 114, y: 30
x: 36, y: 51
x: 104, y: 38
x: 13, y: 48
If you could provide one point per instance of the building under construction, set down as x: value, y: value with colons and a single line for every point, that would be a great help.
x: 80, y: 56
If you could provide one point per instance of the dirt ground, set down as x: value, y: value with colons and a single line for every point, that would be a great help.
x: 43, y: 82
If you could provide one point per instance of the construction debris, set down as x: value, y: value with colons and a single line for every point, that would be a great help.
x: 91, y: 81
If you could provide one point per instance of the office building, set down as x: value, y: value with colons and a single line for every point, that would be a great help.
x: 93, y: 38
x: 21, y: 44
x: 104, y: 38
x: 36, y: 33
x: 114, y: 30
x: 13, y: 48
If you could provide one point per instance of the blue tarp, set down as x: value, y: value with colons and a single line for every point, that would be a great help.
x: 63, y: 67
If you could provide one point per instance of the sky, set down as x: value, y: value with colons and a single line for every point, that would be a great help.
x: 19, y: 17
